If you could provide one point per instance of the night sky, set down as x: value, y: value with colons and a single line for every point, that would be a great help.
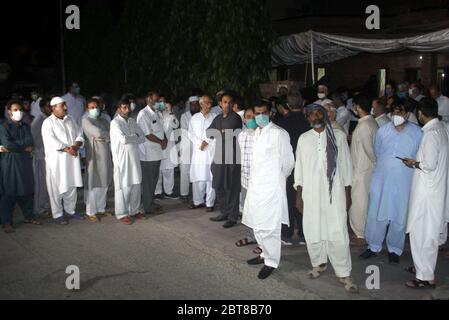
x: 32, y: 28
x: 29, y: 30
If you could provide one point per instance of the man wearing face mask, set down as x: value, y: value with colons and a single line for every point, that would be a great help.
x: 150, y: 121
x: 185, y: 148
x: 101, y: 106
x: 390, y: 185
x: 266, y: 207
x: 98, y: 161
x: 323, y: 92
x: 62, y: 141
x: 76, y: 104
x: 403, y: 90
x: 17, y: 168
x: 166, y: 181
x: 323, y: 178
x: 246, y: 142
x: 415, y: 92
x: 390, y: 90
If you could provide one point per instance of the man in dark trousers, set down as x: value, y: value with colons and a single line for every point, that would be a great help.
x: 225, y: 170
x: 17, y: 167
x: 293, y: 121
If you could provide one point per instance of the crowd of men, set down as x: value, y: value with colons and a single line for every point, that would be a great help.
x: 282, y: 166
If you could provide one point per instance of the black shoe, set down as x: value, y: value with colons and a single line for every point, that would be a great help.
x: 159, y: 197
x: 185, y: 199
x: 256, y: 261
x: 393, y: 258
x: 229, y: 224
x: 265, y: 272
x: 368, y: 254
x: 171, y: 196
x: 219, y: 219
x: 210, y: 209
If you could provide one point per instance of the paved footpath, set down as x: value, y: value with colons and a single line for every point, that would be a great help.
x: 180, y: 255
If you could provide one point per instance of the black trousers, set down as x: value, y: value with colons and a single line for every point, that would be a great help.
x: 229, y: 203
x: 150, y: 176
x: 295, y: 217
x: 8, y: 203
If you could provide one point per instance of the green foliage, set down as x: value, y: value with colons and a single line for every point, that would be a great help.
x: 91, y: 56
x: 176, y: 45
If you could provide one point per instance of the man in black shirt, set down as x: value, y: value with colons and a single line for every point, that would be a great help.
x: 293, y: 121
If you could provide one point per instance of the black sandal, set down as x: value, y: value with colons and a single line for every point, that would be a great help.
x: 33, y: 222
x: 244, y: 242
x: 411, y: 270
x: 194, y: 207
x: 418, y: 284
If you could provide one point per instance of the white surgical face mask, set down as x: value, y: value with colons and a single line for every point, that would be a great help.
x: 132, y: 106
x: 321, y: 96
x: 398, y: 120
x: 410, y: 92
x: 372, y: 112
x: 17, y: 116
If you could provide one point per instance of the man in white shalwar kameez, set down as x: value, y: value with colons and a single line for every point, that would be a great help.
x: 323, y: 177
x: 62, y: 140
x: 202, y: 156
x: 185, y: 148
x: 98, y: 160
x: 427, y: 211
x: 126, y: 136
x: 266, y: 207
x: 444, y: 232
x: 363, y: 158
x: 166, y: 181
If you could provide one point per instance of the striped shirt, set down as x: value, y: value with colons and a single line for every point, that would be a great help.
x: 246, y: 142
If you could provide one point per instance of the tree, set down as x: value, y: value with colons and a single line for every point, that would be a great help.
x: 91, y: 53
x: 175, y: 45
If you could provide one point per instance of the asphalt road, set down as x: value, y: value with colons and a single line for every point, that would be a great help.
x: 180, y: 255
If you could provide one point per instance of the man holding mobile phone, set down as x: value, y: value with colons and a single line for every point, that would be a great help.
x: 390, y: 184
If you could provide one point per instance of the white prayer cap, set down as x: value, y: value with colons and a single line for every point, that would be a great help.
x: 97, y: 98
x: 194, y: 99
x: 56, y: 100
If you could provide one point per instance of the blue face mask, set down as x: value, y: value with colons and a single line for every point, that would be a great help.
x: 160, y: 106
x: 251, y: 124
x: 274, y: 110
x: 78, y: 90
x: 402, y: 95
x: 94, y: 113
x: 262, y: 120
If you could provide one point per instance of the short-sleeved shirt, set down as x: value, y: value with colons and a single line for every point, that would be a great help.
x: 151, y: 123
